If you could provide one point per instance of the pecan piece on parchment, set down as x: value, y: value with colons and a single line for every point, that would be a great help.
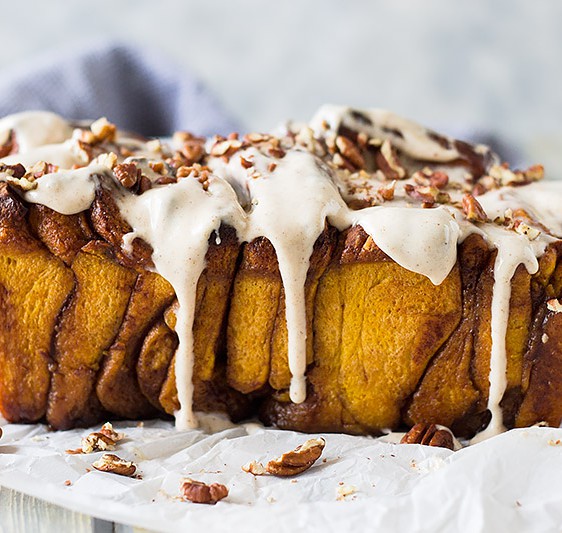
x: 115, y: 465
x: 290, y: 463
x: 199, y: 492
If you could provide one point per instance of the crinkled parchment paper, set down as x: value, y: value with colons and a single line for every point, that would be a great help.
x: 512, y: 482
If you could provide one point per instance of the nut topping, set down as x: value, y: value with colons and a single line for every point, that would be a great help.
x: 429, y: 435
x: 128, y: 174
x: 226, y: 147
x: 246, y: 163
x: 349, y: 150
x: 554, y: 305
x: 431, y: 178
x: 199, y: 492
x: 472, y: 209
x: 102, y: 130
x: 388, y: 162
x: 427, y: 194
x: 15, y: 171
x: 505, y: 176
x: 108, y: 159
x: 524, y: 229
x: 115, y: 465
x: 9, y: 146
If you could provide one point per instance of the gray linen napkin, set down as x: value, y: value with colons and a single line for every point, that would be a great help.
x: 135, y: 88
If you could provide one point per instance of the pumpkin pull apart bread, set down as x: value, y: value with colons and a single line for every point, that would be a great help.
x: 358, y: 273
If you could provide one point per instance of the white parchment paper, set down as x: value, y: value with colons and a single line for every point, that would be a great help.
x: 512, y: 482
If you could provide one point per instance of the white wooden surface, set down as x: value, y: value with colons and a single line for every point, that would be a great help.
x: 22, y: 514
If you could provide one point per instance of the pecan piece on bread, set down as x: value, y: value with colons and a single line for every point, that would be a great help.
x: 472, y: 209
x: 199, y: 492
x: 429, y: 435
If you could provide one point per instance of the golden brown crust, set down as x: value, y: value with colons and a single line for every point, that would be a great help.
x: 154, y: 359
x: 33, y: 288
x: 376, y: 326
x: 108, y: 223
x: 86, y: 328
x: 384, y: 346
x: 447, y: 393
x: 117, y: 385
x: 63, y: 235
x: 257, y: 330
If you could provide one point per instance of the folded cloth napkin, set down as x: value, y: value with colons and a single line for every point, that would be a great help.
x: 135, y: 88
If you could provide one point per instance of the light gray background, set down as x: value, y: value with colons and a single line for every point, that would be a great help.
x: 490, y: 65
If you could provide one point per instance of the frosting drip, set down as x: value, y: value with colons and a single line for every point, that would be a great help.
x: 287, y: 191
x: 177, y: 220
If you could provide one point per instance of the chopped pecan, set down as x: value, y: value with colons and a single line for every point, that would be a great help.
x: 298, y: 460
x: 158, y: 167
x: 291, y: 463
x: 40, y: 169
x: 128, y: 174
x: 387, y: 161
x: 350, y: 151
x: 554, y: 305
x: 427, y: 194
x: 344, y: 491
x: 115, y: 465
x: 108, y: 159
x: 144, y: 184
x: 246, y: 163
x: 362, y: 139
x: 386, y: 192
x: 431, y: 178
x: 166, y: 180
x: 429, y: 435
x: 226, y: 147
x: 9, y: 146
x: 534, y: 172
x: 108, y: 431
x: 505, y: 176
x: 255, y: 468
x: 16, y: 171
x: 97, y: 442
x: 256, y: 138
x: 472, y: 209
x: 276, y: 152
x: 102, y: 130
x: 524, y: 229
x: 193, y: 152
x: 199, y: 492
x: 340, y: 162
x: 370, y: 245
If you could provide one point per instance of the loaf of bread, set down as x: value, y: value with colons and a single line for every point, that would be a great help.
x: 355, y: 274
